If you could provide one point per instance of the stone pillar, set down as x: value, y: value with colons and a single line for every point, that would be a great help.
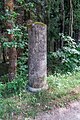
x: 37, y: 56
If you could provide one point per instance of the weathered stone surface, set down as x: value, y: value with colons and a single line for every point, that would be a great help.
x: 37, y: 55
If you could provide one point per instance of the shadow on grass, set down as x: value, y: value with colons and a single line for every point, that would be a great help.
x: 3, y: 69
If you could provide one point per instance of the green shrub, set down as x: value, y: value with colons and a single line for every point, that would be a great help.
x: 66, y: 59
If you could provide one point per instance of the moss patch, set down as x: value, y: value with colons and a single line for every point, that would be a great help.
x: 35, y: 23
x: 39, y: 23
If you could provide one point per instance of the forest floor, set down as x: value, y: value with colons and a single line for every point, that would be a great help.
x: 60, y: 102
x: 61, y: 105
x: 71, y: 111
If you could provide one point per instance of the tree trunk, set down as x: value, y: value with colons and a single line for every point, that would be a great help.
x: 62, y: 22
x: 9, y: 6
x: 62, y: 16
x: 38, y: 12
x: 12, y: 63
x: 79, y: 36
x: 4, y: 55
x: 37, y: 56
x: 71, y: 19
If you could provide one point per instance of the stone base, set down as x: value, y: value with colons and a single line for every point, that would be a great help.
x: 37, y: 89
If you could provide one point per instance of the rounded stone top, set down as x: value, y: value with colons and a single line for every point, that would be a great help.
x: 31, y: 24
x: 39, y: 23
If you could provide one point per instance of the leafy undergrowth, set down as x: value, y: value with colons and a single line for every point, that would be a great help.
x: 23, y: 104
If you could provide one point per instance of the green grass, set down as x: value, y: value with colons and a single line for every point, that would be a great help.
x: 62, y: 89
x: 61, y: 85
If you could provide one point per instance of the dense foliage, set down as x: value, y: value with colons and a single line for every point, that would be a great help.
x: 63, y: 39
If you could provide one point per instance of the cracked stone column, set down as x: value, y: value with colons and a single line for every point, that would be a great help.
x: 37, y: 56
